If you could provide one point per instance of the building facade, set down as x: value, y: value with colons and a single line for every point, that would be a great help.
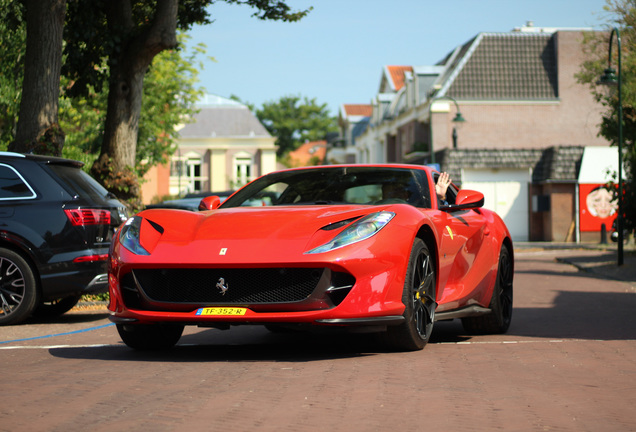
x: 524, y: 123
x: 223, y: 148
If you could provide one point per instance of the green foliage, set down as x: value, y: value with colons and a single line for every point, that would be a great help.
x: 93, y: 44
x: 12, y: 49
x: 293, y: 121
x: 251, y: 106
x: 622, y: 15
x: 82, y: 119
x: 170, y: 95
x: 90, y: 38
x: 274, y: 10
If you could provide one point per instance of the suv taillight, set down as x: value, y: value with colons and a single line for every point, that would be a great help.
x: 83, y: 217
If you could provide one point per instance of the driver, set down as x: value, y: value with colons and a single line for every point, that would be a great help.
x: 395, y: 190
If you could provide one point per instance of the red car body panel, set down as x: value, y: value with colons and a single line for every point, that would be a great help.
x: 466, y: 248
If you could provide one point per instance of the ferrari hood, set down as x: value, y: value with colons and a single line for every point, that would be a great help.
x: 276, y: 233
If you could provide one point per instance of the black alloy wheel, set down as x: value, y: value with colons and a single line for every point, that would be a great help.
x: 419, y: 301
x: 18, y: 291
x: 498, y: 320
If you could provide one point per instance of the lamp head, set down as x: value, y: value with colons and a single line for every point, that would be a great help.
x: 608, y: 78
x: 459, y: 120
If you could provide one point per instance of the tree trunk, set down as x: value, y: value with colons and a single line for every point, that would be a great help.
x: 115, y: 167
x: 38, y: 130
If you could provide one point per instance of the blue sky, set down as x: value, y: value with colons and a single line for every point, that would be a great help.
x: 337, y: 52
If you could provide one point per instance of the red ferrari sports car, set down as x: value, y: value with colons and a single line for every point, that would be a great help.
x: 367, y: 247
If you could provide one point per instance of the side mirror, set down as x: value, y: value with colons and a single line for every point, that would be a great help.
x: 210, y: 203
x: 466, y: 199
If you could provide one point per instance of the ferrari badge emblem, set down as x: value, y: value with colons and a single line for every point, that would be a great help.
x: 222, y: 286
x: 223, y: 251
x: 450, y: 232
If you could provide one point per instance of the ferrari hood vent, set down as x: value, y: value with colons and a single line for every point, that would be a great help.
x: 336, y: 225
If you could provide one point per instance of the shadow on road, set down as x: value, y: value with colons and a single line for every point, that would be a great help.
x: 580, y: 315
x: 252, y: 343
x: 573, y: 315
x: 68, y: 318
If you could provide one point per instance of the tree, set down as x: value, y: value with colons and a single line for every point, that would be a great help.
x: 130, y: 33
x: 169, y: 96
x: 622, y: 14
x: 37, y: 128
x: 294, y: 120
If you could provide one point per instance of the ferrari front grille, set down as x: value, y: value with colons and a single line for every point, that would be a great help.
x: 226, y: 286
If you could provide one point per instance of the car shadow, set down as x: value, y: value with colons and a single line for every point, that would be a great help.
x: 68, y: 318
x: 249, y: 343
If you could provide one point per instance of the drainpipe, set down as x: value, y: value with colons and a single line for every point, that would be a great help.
x: 577, y: 213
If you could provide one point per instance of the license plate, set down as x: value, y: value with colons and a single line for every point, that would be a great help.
x: 221, y: 311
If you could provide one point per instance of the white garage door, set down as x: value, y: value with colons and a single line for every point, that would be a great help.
x: 506, y: 192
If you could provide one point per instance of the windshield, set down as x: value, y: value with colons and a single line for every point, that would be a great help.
x: 336, y: 185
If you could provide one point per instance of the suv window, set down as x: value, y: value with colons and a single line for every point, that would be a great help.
x: 12, y: 185
x: 79, y: 183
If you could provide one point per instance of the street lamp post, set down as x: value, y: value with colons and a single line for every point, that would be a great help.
x: 457, y: 120
x: 609, y: 77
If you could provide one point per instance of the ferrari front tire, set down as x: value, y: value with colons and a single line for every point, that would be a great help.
x: 498, y: 320
x: 150, y: 337
x: 419, y: 300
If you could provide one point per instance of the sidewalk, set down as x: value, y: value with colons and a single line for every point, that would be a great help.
x: 603, y: 264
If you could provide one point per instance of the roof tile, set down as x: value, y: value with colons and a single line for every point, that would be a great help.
x: 560, y: 163
x: 363, y: 110
x: 397, y: 75
x: 504, y: 66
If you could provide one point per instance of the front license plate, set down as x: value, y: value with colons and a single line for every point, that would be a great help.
x: 221, y: 311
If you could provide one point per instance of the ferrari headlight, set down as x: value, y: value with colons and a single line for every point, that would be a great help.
x: 360, y: 230
x: 129, y: 236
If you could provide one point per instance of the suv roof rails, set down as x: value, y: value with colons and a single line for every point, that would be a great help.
x: 14, y: 154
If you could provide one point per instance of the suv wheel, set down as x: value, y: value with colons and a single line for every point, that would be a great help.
x: 18, y: 292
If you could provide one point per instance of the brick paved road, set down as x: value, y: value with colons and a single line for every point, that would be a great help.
x: 567, y: 364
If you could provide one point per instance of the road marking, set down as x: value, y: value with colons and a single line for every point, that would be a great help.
x: 58, y: 334
x: 47, y: 347
x: 517, y: 342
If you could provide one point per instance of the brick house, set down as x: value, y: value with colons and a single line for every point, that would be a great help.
x: 527, y: 125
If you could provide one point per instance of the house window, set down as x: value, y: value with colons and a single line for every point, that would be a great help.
x: 242, y: 171
x: 194, y: 175
x: 185, y: 174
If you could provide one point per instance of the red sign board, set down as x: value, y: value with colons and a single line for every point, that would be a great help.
x: 597, y: 206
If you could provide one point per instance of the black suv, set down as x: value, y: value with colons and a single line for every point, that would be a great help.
x: 56, y: 224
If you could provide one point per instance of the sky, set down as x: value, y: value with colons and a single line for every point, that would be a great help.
x: 335, y: 54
